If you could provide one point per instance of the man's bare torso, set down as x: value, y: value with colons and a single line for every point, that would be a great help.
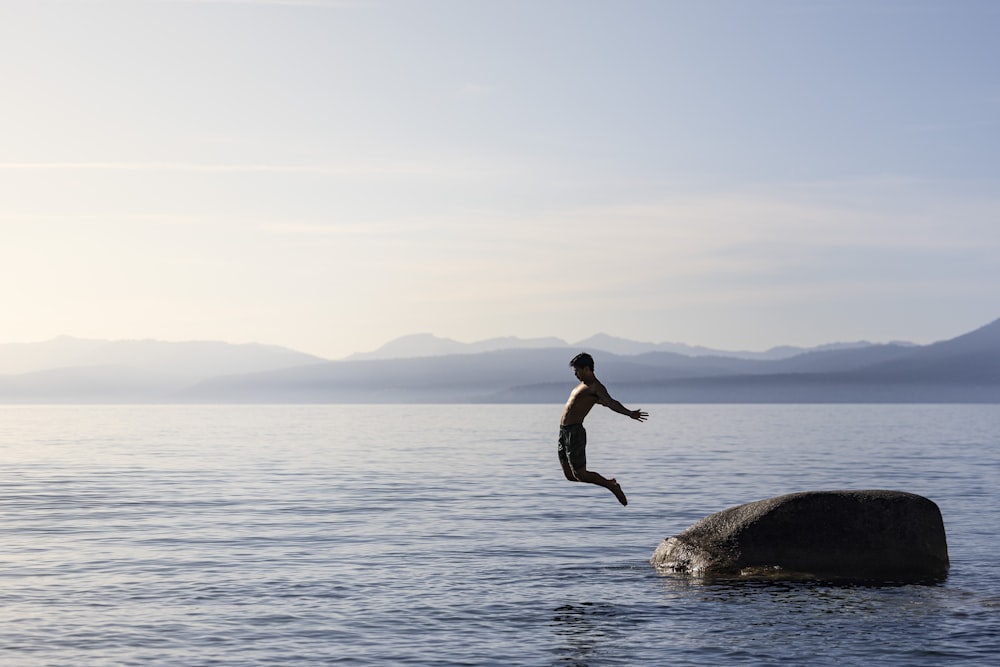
x: 580, y: 401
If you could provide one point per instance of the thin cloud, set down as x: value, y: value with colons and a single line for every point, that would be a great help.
x: 328, y: 170
x: 339, y: 229
x: 323, y: 4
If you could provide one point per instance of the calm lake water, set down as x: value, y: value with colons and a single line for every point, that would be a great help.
x: 446, y: 535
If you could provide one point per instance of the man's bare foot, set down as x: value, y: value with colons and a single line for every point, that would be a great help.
x: 616, y: 489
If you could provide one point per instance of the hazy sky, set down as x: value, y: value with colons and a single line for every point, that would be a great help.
x: 330, y: 175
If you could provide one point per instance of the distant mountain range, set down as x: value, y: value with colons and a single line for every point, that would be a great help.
x: 427, y: 369
x: 81, y: 370
x: 428, y: 345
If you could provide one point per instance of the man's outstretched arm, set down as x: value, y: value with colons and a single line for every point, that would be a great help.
x: 604, y: 398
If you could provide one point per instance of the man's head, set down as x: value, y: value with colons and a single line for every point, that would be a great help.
x: 583, y: 366
x: 582, y: 360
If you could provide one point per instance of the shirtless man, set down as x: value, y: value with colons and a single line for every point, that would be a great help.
x: 573, y: 437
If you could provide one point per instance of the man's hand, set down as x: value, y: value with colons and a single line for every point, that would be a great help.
x: 638, y: 415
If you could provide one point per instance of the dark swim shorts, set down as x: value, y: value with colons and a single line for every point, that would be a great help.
x: 573, y: 446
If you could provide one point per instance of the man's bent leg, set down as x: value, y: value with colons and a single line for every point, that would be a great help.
x: 568, y: 471
x: 611, y: 485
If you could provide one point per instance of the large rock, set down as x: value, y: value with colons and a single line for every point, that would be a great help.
x: 889, y: 535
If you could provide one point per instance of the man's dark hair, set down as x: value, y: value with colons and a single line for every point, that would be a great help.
x: 582, y: 360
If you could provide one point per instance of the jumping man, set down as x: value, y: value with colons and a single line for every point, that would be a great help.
x: 573, y: 437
